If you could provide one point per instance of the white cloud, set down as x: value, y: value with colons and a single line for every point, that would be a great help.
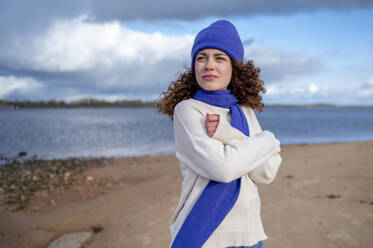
x: 370, y: 82
x: 313, y: 88
x: 74, y: 45
x: 85, y: 57
x: 282, y: 66
x: 110, y: 97
x: 273, y: 90
x: 366, y: 89
x: 12, y: 84
x: 293, y: 89
x: 365, y: 93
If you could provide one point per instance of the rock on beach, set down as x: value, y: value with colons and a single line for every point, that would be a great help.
x: 71, y: 240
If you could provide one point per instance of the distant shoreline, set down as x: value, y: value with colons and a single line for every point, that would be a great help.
x: 83, y: 103
x: 92, y: 103
x: 317, y: 106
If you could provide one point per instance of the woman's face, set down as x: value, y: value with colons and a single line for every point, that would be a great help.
x: 213, y: 69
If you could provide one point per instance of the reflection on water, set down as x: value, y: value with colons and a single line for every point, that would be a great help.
x: 61, y: 133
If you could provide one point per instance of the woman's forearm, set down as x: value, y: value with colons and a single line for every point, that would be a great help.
x: 211, y: 158
x: 263, y: 174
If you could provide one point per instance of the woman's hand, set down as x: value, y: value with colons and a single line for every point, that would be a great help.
x: 212, y: 121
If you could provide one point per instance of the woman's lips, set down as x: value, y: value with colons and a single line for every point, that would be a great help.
x: 209, y: 77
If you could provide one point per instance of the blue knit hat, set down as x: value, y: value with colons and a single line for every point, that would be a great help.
x: 221, y: 35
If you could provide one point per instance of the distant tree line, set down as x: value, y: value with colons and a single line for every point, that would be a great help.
x: 90, y: 102
x: 86, y: 102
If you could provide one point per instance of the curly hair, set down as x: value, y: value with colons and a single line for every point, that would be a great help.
x: 245, y: 85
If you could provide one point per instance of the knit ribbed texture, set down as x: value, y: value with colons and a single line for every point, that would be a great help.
x: 226, y: 239
x: 217, y: 199
x: 221, y: 35
x: 225, y: 99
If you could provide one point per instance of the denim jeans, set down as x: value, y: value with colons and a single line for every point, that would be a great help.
x: 257, y: 245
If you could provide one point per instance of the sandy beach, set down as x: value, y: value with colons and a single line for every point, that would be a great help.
x: 322, y: 197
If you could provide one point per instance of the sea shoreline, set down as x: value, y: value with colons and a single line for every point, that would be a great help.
x: 4, y: 160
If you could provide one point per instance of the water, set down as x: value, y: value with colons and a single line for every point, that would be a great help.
x: 120, y: 132
x: 85, y: 132
x: 319, y: 125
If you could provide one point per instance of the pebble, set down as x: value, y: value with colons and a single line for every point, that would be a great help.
x: 97, y: 228
x: 333, y: 196
x: 89, y: 178
x: 71, y: 240
x: 22, y: 153
x: 20, y: 181
x: 109, y: 185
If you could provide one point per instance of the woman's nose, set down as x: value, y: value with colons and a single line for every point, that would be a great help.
x: 210, y: 65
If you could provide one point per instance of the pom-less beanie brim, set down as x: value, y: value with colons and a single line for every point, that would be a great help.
x: 220, y: 35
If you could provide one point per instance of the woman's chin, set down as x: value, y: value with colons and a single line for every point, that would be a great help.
x: 211, y: 88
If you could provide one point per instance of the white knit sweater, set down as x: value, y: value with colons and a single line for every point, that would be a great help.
x: 226, y: 156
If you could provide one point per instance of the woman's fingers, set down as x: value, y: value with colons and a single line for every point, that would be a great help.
x: 212, y: 121
x: 211, y: 131
x: 212, y: 117
x: 212, y: 124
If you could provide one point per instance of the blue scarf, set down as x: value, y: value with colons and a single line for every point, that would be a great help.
x: 217, y: 199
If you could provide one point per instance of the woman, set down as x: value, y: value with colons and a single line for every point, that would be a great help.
x: 222, y: 150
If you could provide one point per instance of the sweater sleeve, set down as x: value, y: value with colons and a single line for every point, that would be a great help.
x: 263, y: 174
x: 209, y: 157
x: 227, y: 134
x: 266, y: 173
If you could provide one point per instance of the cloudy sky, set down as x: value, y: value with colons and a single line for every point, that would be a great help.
x: 309, y: 51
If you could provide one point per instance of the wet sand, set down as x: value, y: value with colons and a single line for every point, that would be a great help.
x: 322, y: 197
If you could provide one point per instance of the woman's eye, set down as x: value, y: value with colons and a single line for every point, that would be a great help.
x: 199, y: 58
x: 220, y: 58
